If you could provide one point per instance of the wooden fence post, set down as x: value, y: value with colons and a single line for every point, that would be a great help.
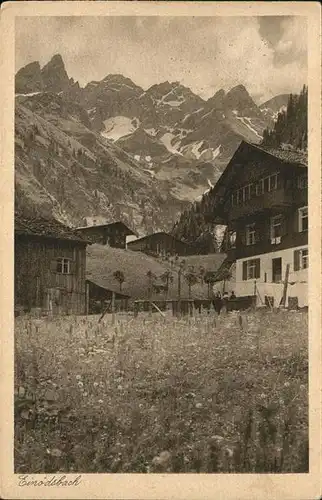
x: 287, y: 272
x: 113, y: 308
x: 37, y: 291
x: 87, y: 299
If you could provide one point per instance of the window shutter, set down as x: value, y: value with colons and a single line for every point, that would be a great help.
x: 283, y: 226
x: 242, y: 236
x: 72, y: 267
x: 245, y: 270
x: 296, y: 221
x: 257, y: 268
x: 296, y: 260
x: 53, y: 266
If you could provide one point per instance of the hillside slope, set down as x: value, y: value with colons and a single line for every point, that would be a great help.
x: 103, y: 261
x: 65, y: 169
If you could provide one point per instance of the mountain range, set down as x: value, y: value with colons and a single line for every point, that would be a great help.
x: 114, y: 150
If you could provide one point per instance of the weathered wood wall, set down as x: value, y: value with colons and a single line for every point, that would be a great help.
x: 160, y: 243
x: 114, y: 237
x: 37, y: 282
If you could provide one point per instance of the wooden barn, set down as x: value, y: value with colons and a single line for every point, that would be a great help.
x: 160, y: 244
x: 113, y: 234
x: 100, y: 291
x: 50, y: 262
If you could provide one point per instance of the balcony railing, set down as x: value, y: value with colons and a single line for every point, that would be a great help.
x: 278, y: 199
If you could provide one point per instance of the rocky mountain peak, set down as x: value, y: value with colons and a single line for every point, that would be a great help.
x: 29, y: 79
x: 54, y: 74
x: 239, y: 99
x: 51, y: 78
x: 217, y: 100
x: 118, y: 79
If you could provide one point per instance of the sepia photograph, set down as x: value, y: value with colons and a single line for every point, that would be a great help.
x: 161, y: 245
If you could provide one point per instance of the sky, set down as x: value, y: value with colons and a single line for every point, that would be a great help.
x: 266, y: 54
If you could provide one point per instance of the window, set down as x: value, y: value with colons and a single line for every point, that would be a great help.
x: 251, y: 269
x: 303, y: 219
x: 264, y: 185
x: 267, y: 184
x: 63, y: 266
x: 276, y: 229
x: 272, y: 182
x: 250, y: 234
x: 244, y: 193
x: 232, y: 239
x: 301, y: 259
x: 302, y: 182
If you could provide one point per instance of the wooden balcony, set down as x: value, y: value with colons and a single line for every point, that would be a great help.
x: 279, y: 200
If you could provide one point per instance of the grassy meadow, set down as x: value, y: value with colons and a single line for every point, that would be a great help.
x: 135, y: 266
x: 152, y: 394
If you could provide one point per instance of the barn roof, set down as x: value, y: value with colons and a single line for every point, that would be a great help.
x: 152, y: 235
x: 103, y: 282
x: 287, y: 159
x: 110, y: 224
x: 46, y: 228
x: 294, y: 157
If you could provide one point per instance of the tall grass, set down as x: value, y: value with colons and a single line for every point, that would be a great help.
x: 162, y: 395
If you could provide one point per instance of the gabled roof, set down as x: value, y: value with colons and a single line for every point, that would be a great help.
x: 110, y: 224
x: 103, y: 282
x: 152, y: 235
x: 285, y: 157
x: 294, y: 157
x: 46, y: 228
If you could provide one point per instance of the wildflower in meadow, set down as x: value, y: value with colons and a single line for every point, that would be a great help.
x: 78, y: 377
x: 80, y: 384
x: 95, y: 384
x: 217, y: 438
x: 198, y: 405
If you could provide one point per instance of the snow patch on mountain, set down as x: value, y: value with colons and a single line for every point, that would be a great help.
x: 173, y: 104
x: 151, y: 131
x: 166, y: 140
x: 195, y: 149
x: 30, y: 94
x: 247, y: 121
x: 185, y: 118
x: 216, y: 152
x: 272, y: 113
x: 119, y: 126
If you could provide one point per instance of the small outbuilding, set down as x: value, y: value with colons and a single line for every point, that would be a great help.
x: 113, y: 234
x: 160, y: 243
x: 50, y: 263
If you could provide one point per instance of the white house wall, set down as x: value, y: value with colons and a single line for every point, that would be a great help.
x: 297, y: 281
